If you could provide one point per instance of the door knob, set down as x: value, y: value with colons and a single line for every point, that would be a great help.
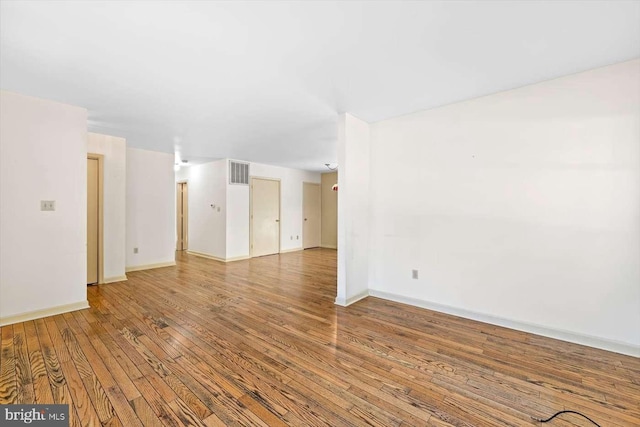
x: 305, y: 219
x: 277, y: 220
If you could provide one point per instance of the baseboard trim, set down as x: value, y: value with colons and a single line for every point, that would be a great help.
x: 286, y: 251
x: 329, y: 247
x: 215, y: 258
x: 149, y: 266
x: 344, y: 302
x: 237, y: 258
x: 204, y: 255
x: 573, y: 337
x: 38, y: 314
x: 114, y: 279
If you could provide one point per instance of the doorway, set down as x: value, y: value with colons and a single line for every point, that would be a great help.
x: 311, y: 200
x: 265, y: 217
x: 94, y: 218
x: 182, y: 216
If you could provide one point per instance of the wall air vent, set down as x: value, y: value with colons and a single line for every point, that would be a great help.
x: 238, y: 173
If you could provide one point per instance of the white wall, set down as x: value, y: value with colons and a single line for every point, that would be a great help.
x: 114, y: 150
x: 151, y: 208
x: 523, y: 205
x: 224, y: 234
x: 353, y: 209
x: 207, y: 225
x: 291, y: 219
x: 182, y: 175
x: 43, y: 156
x: 237, y: 243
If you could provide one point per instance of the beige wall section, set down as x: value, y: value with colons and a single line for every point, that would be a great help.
x: 329, y: 211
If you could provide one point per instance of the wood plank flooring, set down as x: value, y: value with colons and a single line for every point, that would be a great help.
x: 261, y: 343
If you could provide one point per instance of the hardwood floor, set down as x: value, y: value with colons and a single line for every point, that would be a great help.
x: 261, y: 343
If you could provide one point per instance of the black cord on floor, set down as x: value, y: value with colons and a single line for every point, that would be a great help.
x: 564, y: 412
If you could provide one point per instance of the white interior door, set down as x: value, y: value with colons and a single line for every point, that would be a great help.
x: 265, y: 217
x: 311, y: 215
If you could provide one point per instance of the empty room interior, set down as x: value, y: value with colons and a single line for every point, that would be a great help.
x: 318, y: 213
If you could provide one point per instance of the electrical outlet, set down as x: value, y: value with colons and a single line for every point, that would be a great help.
x: 47, y: 205
x: 297, y: 237
x: 135, y: 250
x: 414, y: 274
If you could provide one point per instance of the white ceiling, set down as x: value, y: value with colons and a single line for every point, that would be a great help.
x: 265, y: 81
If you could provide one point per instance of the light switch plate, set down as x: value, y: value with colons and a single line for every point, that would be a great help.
x: 47, y: 205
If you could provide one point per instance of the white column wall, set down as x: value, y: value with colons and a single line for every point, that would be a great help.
x: 151, y: 209
x: 353, y: 209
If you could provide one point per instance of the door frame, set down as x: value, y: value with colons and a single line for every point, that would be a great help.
x: 100, y: 159
x: 319, y: 185
x: 251, y: 178
x: 185, y: 229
